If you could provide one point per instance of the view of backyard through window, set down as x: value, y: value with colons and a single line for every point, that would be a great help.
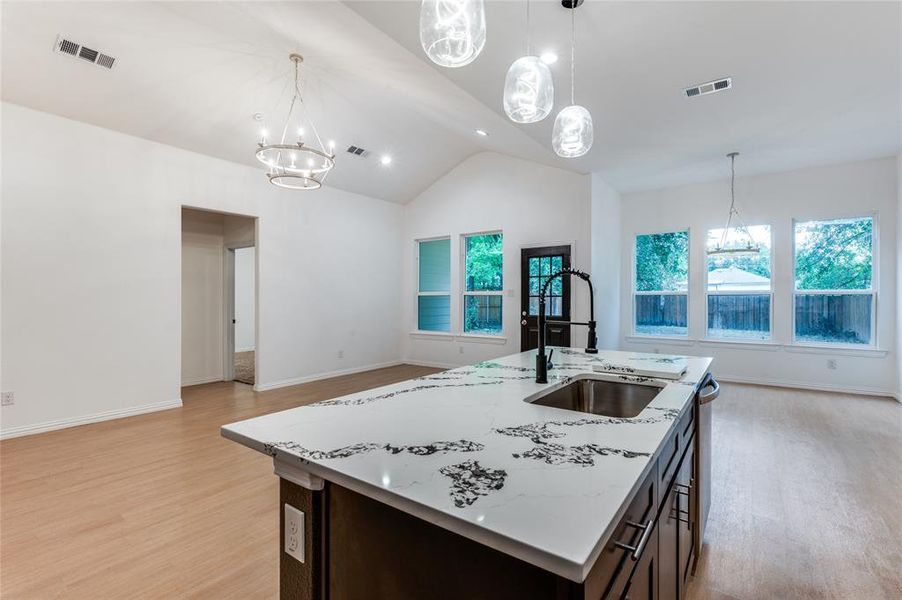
x: 662, y: 277
x: 738, y: 284
x: 483, y: 283
x: 540, y: 267
x: 834, y: 298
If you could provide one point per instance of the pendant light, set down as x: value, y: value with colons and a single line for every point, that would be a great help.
x: 528, y: 87
x: 750, y: 247
x: 301, y: 164
x: 572, y: 135
x: 452, y: 32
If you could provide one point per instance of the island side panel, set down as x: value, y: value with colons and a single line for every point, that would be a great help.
x: 377, y: 551
x: 303, y: 581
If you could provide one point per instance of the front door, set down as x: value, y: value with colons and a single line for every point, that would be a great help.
x: 536, y: 265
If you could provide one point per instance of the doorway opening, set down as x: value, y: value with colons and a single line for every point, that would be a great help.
x: 219, y: 297
x: 536, y: 266
x: 243, y: 262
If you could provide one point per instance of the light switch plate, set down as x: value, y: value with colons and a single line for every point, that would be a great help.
x: 294, y: 533
x: 8, y: 398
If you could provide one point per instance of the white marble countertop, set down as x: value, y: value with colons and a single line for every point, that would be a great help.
x: 462, y: 449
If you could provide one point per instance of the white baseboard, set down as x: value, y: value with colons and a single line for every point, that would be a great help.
x: 201, y: 380
x: 426, y: 363
x: 13, y: 432
x: 263, y: 387
x: 804, y: 385
x: 251, y: 349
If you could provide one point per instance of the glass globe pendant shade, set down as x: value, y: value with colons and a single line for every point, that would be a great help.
x: 572, y: 135
x: 452, y: 32
x: 528, y: 90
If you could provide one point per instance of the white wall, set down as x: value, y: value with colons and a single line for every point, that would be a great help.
x: 533, y: 205
x: 91, y: 279
x: 824, y: 192
x: 899, y: 277
x: 606, y: 259
x: 202, y: 297
x: 244, y: 299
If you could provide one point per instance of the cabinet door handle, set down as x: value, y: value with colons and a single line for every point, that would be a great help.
x: 643, y: 540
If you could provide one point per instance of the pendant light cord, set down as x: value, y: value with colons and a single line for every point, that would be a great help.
x: 527, y: 28
x: 572, y: 54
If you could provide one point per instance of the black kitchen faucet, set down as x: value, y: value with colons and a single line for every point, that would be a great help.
x: 591, y: 342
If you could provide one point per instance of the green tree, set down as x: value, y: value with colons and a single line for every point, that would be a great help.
x: 662, y: 261
x: 834, y: 255
x: 483, y: 273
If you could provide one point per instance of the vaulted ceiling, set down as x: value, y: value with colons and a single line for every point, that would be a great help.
x: 814, y: 82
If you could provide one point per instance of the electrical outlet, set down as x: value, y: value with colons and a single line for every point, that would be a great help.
x: 8, y: 398
x: 831, y: 364
x: 294, y: 533
x: 341, y: 354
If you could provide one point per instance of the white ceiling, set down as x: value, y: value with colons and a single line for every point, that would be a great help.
x: 814, y: 82
x: 192, y: 74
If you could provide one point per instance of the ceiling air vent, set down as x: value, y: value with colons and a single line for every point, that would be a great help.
x: 710, y: 87
x: 357, y: 151
x: 95, y: 57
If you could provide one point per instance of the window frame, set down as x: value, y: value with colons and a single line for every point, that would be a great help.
x: 875, y: 233
x: 463, y: 285
x: 449, y: 293
x: 635, y: 293
x: 744, y: 340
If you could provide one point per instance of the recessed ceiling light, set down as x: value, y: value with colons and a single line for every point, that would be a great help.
x: 482, y: 132
x: 385, y: 160
x: 549, y: 58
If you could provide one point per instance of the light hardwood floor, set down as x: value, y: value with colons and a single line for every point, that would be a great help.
x: 806, y: 499
x: 153, y: 506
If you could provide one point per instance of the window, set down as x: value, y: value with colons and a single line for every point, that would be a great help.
x: 434, y: 285
x: 739, y: 285
x: 834, y: 284
x: 540, y: 268
x: 662, y: 284
x: 482, y: 283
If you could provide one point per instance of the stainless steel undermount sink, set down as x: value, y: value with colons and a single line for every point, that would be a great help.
x: 600, y: 397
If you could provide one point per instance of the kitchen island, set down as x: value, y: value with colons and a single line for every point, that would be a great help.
x: 454, y: 485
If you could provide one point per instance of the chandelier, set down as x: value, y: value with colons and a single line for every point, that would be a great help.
x: 723, y: 249
x: 293, y: 161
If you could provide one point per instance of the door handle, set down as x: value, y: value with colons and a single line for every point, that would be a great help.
x: 523, y: 322
x: 713, y: 394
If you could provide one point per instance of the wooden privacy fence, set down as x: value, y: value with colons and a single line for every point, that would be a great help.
x: 744, y: 313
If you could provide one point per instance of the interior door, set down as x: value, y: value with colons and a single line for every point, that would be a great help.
x: 536, y: 265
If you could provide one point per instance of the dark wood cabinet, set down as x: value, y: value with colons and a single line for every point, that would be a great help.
x: 685, y: 490
x: 358, y: 547
x: 668, y: 535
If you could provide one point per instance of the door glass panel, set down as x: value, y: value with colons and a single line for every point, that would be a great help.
x: 546, y: 265
x: 557, y: 263
x: 534, y: 286
x: 533, y: 305
x: 534, y: 266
